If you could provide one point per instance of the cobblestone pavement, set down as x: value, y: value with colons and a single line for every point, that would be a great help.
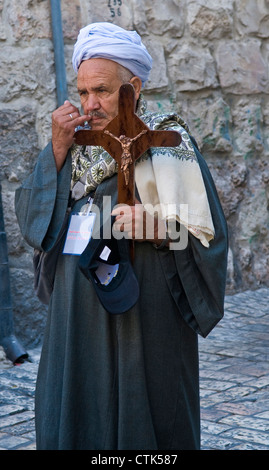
x: 234, y: 371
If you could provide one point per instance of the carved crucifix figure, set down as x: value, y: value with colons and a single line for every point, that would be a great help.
x: 126, y: 156
x: 126, y: 138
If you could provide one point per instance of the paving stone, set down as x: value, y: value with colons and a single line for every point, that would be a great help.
x: 264, y: 415
x: 29, y: 446
x: 217, y: 385
x: 214, y: 442
x: 10, y: 409
x: 249, y: 435
x: 245, y: 408
x: 248, y: 446
x: 214, y: 428
x: 9, y: 421
x: 12, y: 442
x: 247, y: 422
x: 25, y: 428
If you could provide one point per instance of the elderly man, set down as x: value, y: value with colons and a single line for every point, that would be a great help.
x: 129, y: 380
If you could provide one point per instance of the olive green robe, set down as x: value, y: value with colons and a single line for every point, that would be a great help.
x: 128, y: 381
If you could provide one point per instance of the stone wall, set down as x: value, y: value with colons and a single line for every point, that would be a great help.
x: 210, y: 65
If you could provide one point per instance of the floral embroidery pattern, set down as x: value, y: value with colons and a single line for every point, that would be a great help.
x: 157, y: 121
x: 92, y: 163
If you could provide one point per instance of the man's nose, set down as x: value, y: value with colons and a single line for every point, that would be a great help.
x: 92, y: 104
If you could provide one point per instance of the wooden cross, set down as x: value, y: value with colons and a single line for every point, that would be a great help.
x: 126, y: 138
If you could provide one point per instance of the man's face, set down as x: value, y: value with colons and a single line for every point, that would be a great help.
x: 98, y: 85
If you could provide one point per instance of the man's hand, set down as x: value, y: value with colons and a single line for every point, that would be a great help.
x: 64, y: 121
x: 137, y: 224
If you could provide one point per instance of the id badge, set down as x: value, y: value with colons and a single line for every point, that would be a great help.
x: 79, y: 233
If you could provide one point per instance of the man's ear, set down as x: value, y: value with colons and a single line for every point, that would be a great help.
x: 137, y: 84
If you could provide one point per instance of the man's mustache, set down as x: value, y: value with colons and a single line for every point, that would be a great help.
x: 97, y: 114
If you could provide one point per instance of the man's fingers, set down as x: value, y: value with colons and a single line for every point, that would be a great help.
x: 80, y: 119
x: 69, y: 112
x: 73, y: 119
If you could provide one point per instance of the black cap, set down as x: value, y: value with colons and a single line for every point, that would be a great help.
x: 106, y: 263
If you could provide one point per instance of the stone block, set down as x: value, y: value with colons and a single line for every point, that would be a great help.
x: 3, y: 35
x: 210, y: 121
x: 165, y: 17
x: 252, y: 18
x: 139, y: 17
x: 19, y: 143
x: 72, y: 19
x: 191, y: 68
x: 29, y: 73
x: 119, y: 12
x: 241, y: 67
x: 29, y: 314
x: 158, y: 79
x: 248, y: 126
x: 15, y: 242
x: 209, y: 19
x: 29, y: 20
x: 254, y: 217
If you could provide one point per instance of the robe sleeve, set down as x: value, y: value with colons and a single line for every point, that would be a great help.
x: 198, y: 277
x: 41, y: 201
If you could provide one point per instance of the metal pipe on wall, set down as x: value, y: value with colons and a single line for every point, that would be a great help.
x: 12, y: 347
x: 58, y: 44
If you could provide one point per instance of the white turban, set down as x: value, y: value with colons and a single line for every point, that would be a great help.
x: 109, y: 41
